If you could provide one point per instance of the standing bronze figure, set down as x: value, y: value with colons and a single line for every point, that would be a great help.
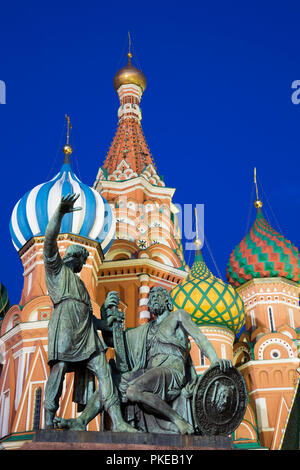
x: 73, y: 342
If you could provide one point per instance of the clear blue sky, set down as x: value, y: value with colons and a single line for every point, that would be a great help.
x: 218, y: 103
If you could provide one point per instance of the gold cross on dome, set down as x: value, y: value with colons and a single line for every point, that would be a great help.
x: 197, y: 241
x: 129, y: 55
x: 255, y: 182
x: 69, y: 127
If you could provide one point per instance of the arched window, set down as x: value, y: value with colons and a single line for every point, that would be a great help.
x: 16, y: 320
x: 37, y: 408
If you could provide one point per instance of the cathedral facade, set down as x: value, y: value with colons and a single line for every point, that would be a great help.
x: 129, y: 225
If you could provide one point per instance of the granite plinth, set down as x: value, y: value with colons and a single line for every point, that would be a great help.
x: 93, y: 440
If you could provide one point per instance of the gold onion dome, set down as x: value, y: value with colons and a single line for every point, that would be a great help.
x: 130, y: 75
x: 209, y: 300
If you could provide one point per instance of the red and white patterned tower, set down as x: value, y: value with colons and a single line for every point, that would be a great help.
x: 147, y: 250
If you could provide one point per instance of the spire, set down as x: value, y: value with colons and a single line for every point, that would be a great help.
x: 129, y: 55
x: 67, y: 149
x: 129, y: 155
x: 198, y: 242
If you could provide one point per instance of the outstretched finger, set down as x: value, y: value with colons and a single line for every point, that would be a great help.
x: 65, y: 198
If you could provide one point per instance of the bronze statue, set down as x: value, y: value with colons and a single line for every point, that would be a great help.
x: 73, y: 342
x: 162, y: 375
x: 152, y: 378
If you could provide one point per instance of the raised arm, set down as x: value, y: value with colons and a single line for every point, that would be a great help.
x: 201, y: 340
x: 65, y: 206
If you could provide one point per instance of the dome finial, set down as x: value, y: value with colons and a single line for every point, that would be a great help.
x: 198, y: 243
x: 67, y: 148
x: 258, y: 203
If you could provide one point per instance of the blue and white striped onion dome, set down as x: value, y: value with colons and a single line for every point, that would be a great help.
x: 33, y: 211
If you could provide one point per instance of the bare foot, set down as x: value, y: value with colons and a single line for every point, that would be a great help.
x: 73, y: 424
x: 124, y: 427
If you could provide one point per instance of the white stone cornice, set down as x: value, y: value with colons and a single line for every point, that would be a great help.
x: 273, y: 293
x: 218, y: 331
x: 267, y: 362
x: 267, y: 280
x: 143, y: 262
x: 32, y: 325
x: 123, y: 187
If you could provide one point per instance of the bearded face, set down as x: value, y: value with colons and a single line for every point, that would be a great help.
x: 159, y: 301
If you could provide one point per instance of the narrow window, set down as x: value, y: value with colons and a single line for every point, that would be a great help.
x: 271, y: 319
x: 37, y: 408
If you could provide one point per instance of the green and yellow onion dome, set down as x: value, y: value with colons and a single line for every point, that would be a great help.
x: 209, y: 300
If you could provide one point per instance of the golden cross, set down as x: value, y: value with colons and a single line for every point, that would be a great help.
x: 196, y: 217
x: 197, y: 241
x: 255, y: 182
x: 69, y: 127
x: 129, y: 46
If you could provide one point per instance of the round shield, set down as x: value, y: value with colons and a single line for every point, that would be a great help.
x: 219, y: 401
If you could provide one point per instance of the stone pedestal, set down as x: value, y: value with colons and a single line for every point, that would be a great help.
x: 123, y: 441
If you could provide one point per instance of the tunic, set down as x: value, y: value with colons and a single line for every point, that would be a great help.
x: 72, y: 336
x: 149, y: 351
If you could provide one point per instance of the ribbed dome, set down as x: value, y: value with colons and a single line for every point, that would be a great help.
x: 208, y: 299
x: 263, y: 253
x: 33, y: 211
